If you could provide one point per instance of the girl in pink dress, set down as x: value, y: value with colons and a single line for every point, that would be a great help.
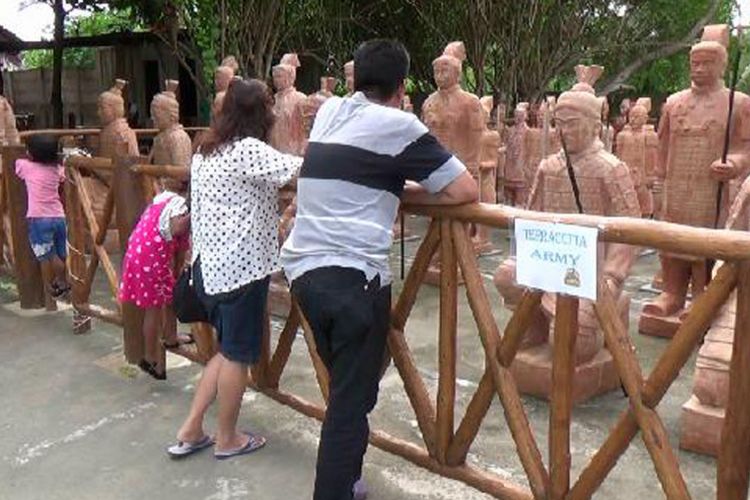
x: 149, y: 274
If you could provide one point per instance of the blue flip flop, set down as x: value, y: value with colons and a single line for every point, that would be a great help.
x: 183, y: 449
x: 256, y: 442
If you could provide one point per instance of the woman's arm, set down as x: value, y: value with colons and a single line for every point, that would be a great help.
x: 270, y: 166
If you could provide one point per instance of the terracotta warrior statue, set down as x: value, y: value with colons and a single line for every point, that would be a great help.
x: 115, y: 128
x: 691, y: 143
x: 514, y: 176
x: 637, y: 146
x: 349, y: 77
x: 172, y: 145
x: 8, y: 130
x: 287, y: 134
x: 605, y: 189
x: 488, y: 156
x: 502, y: 131
x: 454, y: 116
x: 488, y: 159
x: 703, y: 414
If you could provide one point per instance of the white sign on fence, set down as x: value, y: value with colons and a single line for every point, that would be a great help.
x: 556, y: 257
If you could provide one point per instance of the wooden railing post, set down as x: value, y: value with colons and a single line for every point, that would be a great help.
x: 447, y: 341
x: 4, y: 236
x: 561, y: 405
x: 734, y: 456
x: 78, y: 276
x: 27, y: 270
x: 130, y: 201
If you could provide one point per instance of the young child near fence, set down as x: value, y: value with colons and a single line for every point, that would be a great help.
x: 149, y: 271
x: 43, y: 175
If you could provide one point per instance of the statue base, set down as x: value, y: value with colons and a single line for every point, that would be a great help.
x: 700, y: 427
x: 532, y: 371
x: 279, y: 298
x: 659, y: 326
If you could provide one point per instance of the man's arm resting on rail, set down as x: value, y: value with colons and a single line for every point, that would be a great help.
x: 463, y: 189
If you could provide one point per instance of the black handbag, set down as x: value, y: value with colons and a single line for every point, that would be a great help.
x: 188, y: 307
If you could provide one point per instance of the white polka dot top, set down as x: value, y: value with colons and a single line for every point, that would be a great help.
x: 234, y: 222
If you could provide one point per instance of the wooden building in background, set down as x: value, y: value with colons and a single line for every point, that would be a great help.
x: 139, y: 57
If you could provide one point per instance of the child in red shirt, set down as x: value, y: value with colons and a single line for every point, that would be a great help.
x: 45, y: 215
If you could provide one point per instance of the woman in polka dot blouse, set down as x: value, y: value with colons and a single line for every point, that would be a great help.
x: 235, y: 180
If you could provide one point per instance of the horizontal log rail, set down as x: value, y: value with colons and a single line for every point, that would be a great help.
x: 95, y: 131
x: 720, y: 244
x: 179, y: 172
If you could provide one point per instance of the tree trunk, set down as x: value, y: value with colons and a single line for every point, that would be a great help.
x: 57, y: 65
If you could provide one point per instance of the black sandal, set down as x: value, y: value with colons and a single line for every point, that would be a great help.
x: 58, y: 291
x: 150, y: 368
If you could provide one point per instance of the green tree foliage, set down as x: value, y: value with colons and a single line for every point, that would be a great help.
x: 516, y: 50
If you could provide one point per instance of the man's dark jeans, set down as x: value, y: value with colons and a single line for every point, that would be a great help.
x: 350, y: 320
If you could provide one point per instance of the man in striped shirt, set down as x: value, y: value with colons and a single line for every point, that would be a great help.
x: 363, y: 153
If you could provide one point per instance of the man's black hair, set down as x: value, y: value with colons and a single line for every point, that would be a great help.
x: 43, y: 149
x: 380, y: 66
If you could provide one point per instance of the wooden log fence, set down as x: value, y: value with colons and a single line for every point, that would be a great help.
x: 447, y: 437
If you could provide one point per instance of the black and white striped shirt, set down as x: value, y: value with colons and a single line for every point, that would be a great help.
x: 359, y: 155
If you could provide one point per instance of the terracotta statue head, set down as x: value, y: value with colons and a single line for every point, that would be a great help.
x: 638, y: 116
x: 406, y: 104
x: 222, y: 76
x: 578, y: 113
x: 291, y: 59
x: 283, y: 77
x: 521, y: 113
x: 708, y: 58
x: 231, y: 62
x: 447, y: 67
x: 447, y: 71
x: 349, y: 76
x: 456, y: 49
x: 165, y: 109
x: 110, y: 105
